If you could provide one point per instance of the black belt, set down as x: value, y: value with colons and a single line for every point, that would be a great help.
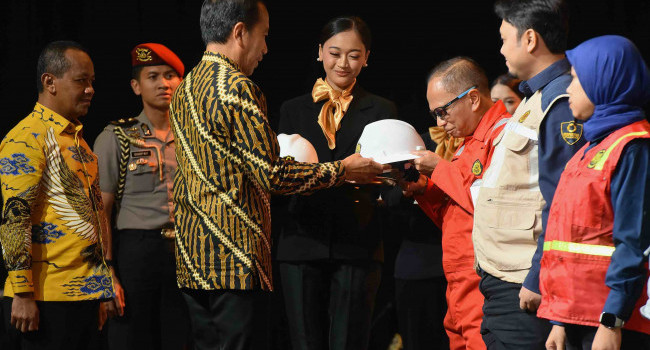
x: 167, y: 233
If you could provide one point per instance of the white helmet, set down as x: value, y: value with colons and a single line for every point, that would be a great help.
x: 297, y: 147
x: 389, y: 141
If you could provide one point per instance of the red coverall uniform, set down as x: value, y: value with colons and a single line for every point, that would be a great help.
x: 447, y: 200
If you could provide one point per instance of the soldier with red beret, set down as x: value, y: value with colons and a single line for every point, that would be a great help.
x: 136, y: 164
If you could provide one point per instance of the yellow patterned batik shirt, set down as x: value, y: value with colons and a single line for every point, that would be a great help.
x: 228, y: 165
x: 51, y: 211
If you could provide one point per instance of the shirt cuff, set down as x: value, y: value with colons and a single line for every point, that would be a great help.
x: 620, y: 304
x: 21, y: 281
x: 557, y: 323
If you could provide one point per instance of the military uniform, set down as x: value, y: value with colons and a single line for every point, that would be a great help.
x: 139, y: 169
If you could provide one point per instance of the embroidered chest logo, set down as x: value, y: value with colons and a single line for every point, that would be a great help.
x: 143, y: 55
x: 477, y: 168
x: 571, y: 132
x: 523, y: 117
x: 596, y: 159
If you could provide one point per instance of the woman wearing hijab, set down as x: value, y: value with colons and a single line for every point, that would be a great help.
x: 592, y: 272
x: 330, y: 247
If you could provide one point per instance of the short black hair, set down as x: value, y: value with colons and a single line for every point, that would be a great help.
x: 549, y: 18
x: 218, y: 17
x: 509, y: 81
x: 459, y: 74
x: 343, y: 24
x: 135, y: 72
x: 52, y: 60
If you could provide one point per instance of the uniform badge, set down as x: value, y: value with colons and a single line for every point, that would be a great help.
x: 143, y: 54
x: 137, y: 154
x: 596, y: 159
x: 571, y: 132
x: 358, y: 149
x: 141, y: 161
x: 133, y: 166
x: 146, y: 130
x: 477, y: 168
x: 524, y: 116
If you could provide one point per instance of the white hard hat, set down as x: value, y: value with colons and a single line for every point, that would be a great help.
x: 297, y: 147
x: 389, y: 141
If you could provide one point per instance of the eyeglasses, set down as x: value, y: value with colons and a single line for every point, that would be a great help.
x: 441, y: 112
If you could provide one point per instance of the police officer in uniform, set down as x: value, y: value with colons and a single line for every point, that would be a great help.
x: 137, y: 163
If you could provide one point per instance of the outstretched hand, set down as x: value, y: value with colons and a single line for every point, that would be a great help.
x: 361, y: 170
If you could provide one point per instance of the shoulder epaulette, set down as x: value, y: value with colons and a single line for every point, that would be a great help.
x: 124, y: 122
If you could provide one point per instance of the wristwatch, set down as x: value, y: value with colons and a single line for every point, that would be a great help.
x: 610, y: 320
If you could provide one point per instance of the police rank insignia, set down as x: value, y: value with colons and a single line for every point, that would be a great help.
x: 477, y: 168
x: 133, y: 166
x: 143, y: 54
x: 524, y: 116
x: 596, y: 159
x: 571, y: 132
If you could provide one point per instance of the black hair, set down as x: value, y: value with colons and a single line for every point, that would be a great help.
x: 52, y: 60
x: 343, y: 24
x: 135, y: 72
x: 459, y: 74
x: 218, y: 17
x: 509, y: 81
x: 549, y: 18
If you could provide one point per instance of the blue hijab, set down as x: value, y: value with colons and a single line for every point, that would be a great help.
x: 616, y: 80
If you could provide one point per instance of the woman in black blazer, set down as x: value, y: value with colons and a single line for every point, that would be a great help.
x: 330, y: 248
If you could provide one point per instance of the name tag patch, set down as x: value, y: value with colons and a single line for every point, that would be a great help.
x: 136, y: 154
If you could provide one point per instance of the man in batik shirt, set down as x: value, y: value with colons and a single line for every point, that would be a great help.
x: 51, y: 232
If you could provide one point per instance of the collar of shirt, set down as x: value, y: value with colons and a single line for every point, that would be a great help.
x: 215, y: 56
x: 55, y: 120
x: 485, y: 126
x: 143, y: 119
x: 536, y: 83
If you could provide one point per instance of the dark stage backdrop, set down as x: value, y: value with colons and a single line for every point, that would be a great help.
x: 409, y: 38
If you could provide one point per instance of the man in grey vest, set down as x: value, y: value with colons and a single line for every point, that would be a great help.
x: 519, y: 184
x: 137, y: 162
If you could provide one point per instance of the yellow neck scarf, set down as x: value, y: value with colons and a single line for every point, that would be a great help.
x: 446, y: 145
x: 333, y: 110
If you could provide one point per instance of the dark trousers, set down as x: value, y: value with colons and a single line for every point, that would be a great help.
x: 421, y: 308
x: 505, y: 326
x: 155, y: 316
x: 329, y: 303
x: 581, y: 337
x: 62, y: 326
x: 228, y: 319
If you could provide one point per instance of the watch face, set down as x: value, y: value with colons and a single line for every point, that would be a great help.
x: 610, y: 320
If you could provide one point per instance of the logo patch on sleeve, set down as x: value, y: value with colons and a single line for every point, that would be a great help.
x: 477, y: 168
x: 571, y: 132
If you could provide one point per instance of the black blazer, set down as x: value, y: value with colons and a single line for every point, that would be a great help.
x: 338, y: 223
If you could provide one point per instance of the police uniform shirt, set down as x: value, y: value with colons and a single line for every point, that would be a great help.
x: 147, y: 200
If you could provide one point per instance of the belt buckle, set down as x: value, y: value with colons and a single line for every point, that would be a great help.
x: 168, y: 233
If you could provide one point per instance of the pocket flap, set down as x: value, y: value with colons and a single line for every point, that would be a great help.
x: 510, y: 217
x: 515, y: 142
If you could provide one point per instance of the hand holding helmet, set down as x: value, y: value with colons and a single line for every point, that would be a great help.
x: 426, y: 162
x: 361, y: 170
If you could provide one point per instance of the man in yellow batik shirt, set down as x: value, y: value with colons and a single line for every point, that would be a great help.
x: 52, y: 218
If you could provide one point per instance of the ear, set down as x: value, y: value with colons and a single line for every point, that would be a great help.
x: 475, y: 98
x: 530, y: 40
x: 320, y: 53
x: 135, y: 85
x: 239, y: 33
x: 367, y: 55
x: 47, y: 80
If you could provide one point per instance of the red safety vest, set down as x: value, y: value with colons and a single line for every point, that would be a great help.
x: 578, y: 245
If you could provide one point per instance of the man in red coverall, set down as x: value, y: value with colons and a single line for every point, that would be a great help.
x: 459, y: 97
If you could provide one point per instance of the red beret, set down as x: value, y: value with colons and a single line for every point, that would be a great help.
x: 152, y: 54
